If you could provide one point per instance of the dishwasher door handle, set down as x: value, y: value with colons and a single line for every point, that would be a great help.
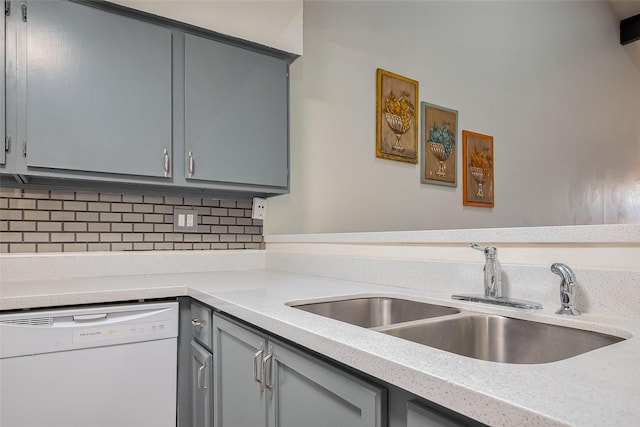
x: 89, y: 317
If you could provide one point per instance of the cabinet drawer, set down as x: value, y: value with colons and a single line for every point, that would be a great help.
x: 201, y: 325
x: 419, y: 415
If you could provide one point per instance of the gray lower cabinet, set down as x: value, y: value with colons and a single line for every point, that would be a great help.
x: 98, y: 91
x: 236, y: 114
x: 260, y: 381
x: 201, y: 390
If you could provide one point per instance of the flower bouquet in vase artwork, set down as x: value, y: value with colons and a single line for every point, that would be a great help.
x: 441, y: 141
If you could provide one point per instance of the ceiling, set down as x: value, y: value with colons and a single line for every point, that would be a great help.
x: 625, y: 8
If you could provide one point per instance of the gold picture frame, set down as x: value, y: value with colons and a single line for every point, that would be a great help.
x: 478, y: 169
x: 396, y: 117
x: 438, y: 145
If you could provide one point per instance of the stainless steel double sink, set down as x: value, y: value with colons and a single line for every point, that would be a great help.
x: 480, y: 336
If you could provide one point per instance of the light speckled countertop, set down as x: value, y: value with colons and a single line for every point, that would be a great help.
x: 594, y: 389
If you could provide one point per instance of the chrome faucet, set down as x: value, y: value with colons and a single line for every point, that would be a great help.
x: 492, y: 271
x: 567, y: 289
x: 493, y: 283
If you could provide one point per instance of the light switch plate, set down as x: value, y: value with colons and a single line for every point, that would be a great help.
x: 185, y: 220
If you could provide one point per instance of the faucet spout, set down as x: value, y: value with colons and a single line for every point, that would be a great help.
x: 493, y: 283
x: 567, y: 289
x: 492, y: 271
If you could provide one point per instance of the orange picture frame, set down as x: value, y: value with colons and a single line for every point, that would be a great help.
x: 477, y: 170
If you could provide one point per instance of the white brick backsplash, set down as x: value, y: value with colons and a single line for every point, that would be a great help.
x: 109, y: 197
x: 49, y: 226
x: 87, y: 216
x: 99, y: 226
x: 74, y: 206
x: 63, y: 195
x: 62, y: 216
x: 74, y: 226
x: 132, y: 198
x: 75, y: 247
x: 22, y: 204
x: 22, y: 226
x: 99, y: 247
x: 36, y: 215
x: 99, y: 206
x: 49, y: 247
x: 36, y: 220
x: 87, y: 197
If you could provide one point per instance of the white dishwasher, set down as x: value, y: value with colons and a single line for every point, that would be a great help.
x: 102, y: 366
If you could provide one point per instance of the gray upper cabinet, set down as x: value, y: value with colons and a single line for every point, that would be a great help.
x: 236, y: 114
x: 3, y: 132
x: 98, y: 91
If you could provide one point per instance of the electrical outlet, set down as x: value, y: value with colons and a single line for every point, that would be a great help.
x: 259, y: 210
x: 185, y: 220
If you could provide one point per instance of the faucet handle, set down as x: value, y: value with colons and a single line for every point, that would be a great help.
x: 489, y: 251
x: 477, y: 247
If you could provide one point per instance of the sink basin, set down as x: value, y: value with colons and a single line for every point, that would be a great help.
x: 376, y: 312
x: 502, y: 339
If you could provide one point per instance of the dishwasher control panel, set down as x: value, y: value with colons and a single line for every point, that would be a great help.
x: 115, y: 332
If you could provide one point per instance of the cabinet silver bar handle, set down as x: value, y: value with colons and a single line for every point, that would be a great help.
x: 191, y: 164
x: 198, y: 323
x: 200, y: 370
x: 266, y: 363
x: 257, y: 357
x: 166, y: 163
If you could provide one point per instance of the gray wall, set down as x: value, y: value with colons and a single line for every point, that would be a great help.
x: 547, y: 79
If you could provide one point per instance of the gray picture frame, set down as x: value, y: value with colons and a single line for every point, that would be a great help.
x: 439, y: 165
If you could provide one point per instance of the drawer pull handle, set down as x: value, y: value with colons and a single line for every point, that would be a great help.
x: 257, y: 357
x: 266, y: 362
x: 198, y: 323
x: 200, y: 370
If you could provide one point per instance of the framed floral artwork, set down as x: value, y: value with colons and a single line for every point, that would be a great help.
x: 438, y: 145
x: 396, y: 117
x: 478, y: 169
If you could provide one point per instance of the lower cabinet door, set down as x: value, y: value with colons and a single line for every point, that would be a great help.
x: 239, y: 394
x: 201, y: 390
x: 308, y: 392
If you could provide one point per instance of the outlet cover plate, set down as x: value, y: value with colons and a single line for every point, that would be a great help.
x: 185, y: 220
x: 259, y: 208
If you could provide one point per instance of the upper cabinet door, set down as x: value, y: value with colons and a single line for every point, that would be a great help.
x: 3, y: 102
x: 236, y: 114
x: 98, y: 91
